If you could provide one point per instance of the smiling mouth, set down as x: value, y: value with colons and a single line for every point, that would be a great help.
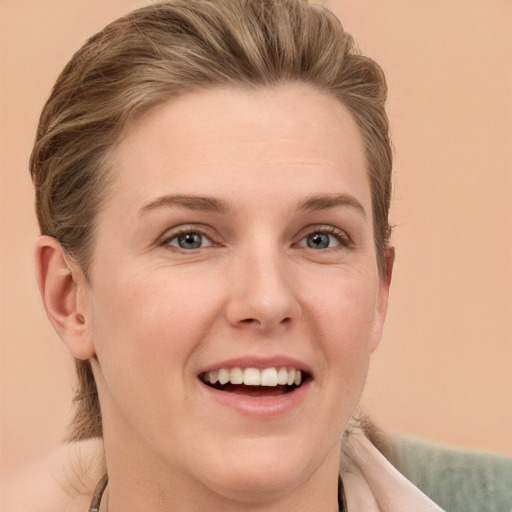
x: 254, y: 382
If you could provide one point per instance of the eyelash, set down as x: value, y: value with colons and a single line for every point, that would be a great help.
x: 341, y: 237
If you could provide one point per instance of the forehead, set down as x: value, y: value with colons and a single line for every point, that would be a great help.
x: 231, y: 141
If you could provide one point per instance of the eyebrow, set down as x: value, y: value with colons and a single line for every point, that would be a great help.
x: 321, y: 202
x: 198, y: 203
x: 316, y: 202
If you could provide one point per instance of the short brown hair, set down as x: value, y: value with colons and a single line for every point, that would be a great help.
x: 167, y: 49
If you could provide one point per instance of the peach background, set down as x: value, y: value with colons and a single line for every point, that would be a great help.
x: 443, y: 370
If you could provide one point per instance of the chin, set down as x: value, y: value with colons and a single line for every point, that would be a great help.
x: 256, y: 484
x: 263, y: 474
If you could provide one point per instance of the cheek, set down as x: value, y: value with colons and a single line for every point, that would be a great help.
x: 147, y: 324
x: 343, y: 316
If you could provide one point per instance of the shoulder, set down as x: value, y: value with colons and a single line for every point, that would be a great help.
x: 457, y: 479
x: 64, y: 481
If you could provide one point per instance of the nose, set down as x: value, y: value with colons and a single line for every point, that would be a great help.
x: 262, y: 293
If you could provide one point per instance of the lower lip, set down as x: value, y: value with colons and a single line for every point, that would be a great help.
x: 260, y: 406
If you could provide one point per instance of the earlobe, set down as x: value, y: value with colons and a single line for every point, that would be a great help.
x: 62, y: 287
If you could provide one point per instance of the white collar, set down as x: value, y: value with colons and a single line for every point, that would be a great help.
x: 373, y: 484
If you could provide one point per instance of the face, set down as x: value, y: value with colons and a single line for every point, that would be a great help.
x: 236, y: 244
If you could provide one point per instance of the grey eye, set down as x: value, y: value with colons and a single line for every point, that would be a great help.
x: 319, y: 240
x: 189, y: 240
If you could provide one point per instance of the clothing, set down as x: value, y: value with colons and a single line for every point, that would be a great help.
x: 458, y: 480
x: 373, y: 484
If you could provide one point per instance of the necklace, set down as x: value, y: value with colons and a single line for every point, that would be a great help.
x: 342, y: 500
x: 98, y: 493
x: 102, y: 484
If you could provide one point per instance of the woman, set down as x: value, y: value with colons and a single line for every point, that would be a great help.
x: 212, y: 186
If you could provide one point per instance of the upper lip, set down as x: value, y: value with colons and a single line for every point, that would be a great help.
x: 260, y: 362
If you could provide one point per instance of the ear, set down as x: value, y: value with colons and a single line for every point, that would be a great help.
x: 63, y: 288
x: 382, y: 299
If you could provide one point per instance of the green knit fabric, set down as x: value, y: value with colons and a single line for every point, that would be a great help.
x: 457, y: 480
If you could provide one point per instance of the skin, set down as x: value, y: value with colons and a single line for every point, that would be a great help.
x: 153, y: 315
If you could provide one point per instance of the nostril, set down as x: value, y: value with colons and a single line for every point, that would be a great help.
x: 255, y: 322
x: 250, y: 321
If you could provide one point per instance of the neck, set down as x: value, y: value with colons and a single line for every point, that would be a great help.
x: 318, y: 493
x: 99, y: 501
x: 148, y: 485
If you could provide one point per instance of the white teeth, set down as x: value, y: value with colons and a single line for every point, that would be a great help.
x: 237, y: 376
x: 223, y: 376
x: 282, y: 376
x: 252, y: 377
x: 270, y: 377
